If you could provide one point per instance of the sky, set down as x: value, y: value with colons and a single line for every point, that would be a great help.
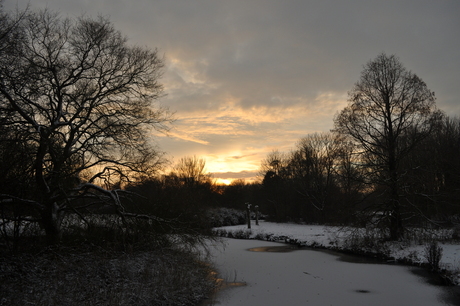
x: 246, y: 77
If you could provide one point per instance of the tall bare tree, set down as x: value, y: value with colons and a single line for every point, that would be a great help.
x: 390, y: 111
x: 192, y: 171
x: 273, y: 171
x: 85, y: 101
x: 312, y: 167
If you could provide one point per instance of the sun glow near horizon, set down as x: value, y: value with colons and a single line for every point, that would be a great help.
x: 226, y: 168
x: 226, y: 182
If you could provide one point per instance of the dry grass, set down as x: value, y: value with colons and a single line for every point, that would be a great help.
x: 93, y: 276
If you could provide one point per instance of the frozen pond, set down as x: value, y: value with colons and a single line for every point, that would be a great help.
x: 309, y: 277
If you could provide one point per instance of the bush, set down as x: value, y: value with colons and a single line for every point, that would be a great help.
x: 226, y: 217
x: 433, y: 255
x: 238, y: 234
x: 365, y: 240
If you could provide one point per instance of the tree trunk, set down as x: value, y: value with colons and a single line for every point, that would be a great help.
x: 51, y: 222
x: 396, y: 227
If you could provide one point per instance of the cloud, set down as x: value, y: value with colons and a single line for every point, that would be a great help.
x: 247, y: 77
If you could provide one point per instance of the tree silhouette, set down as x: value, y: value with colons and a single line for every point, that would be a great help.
x: 84, y: 102
x: 390, y: 111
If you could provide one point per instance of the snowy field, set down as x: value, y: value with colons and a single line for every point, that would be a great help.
x: 310, y: 277
x: 334, y: 238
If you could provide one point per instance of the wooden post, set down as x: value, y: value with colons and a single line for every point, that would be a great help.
x: 257, y: 214
x: 248, y: 213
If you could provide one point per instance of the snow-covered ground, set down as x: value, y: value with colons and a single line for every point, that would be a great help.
x: 336, y: 238
x: 308, y: 277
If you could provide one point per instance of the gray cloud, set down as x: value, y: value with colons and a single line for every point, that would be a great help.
x: 248, y: 76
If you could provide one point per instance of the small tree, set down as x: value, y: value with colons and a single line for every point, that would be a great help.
x: 272, y: 170
x: 83, y: 101
x: 192, y: 188
x: 192, y: 171
x: 390, y: 111
x: 312, y: 171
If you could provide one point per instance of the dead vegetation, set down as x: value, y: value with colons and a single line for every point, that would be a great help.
x: 94, y: 276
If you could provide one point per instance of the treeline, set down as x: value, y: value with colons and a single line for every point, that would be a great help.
x: 323, y: 180
x: 189, y: 195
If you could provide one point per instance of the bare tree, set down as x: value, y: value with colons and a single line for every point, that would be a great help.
x: 312, y: 166
x: 7, y: 27
x: 433, y: 176
x: 311, y: 174
x: 84, y: 100
x: 350, y: 176
x: 190, y: 190
x: 390, y: 111
x: 273, y: 171
x: 192, y: 171
x: 274, y: 163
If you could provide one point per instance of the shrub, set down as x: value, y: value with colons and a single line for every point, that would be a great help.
x: 433, y: 255
x: 365, y: 240
x: 226, y: 217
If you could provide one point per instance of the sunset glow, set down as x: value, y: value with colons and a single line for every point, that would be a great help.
x: 223, y: 182
x: 245, y: 79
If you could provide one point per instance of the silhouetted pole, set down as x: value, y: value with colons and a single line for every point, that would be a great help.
x: 248, y: 213
x: 257, y: 214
